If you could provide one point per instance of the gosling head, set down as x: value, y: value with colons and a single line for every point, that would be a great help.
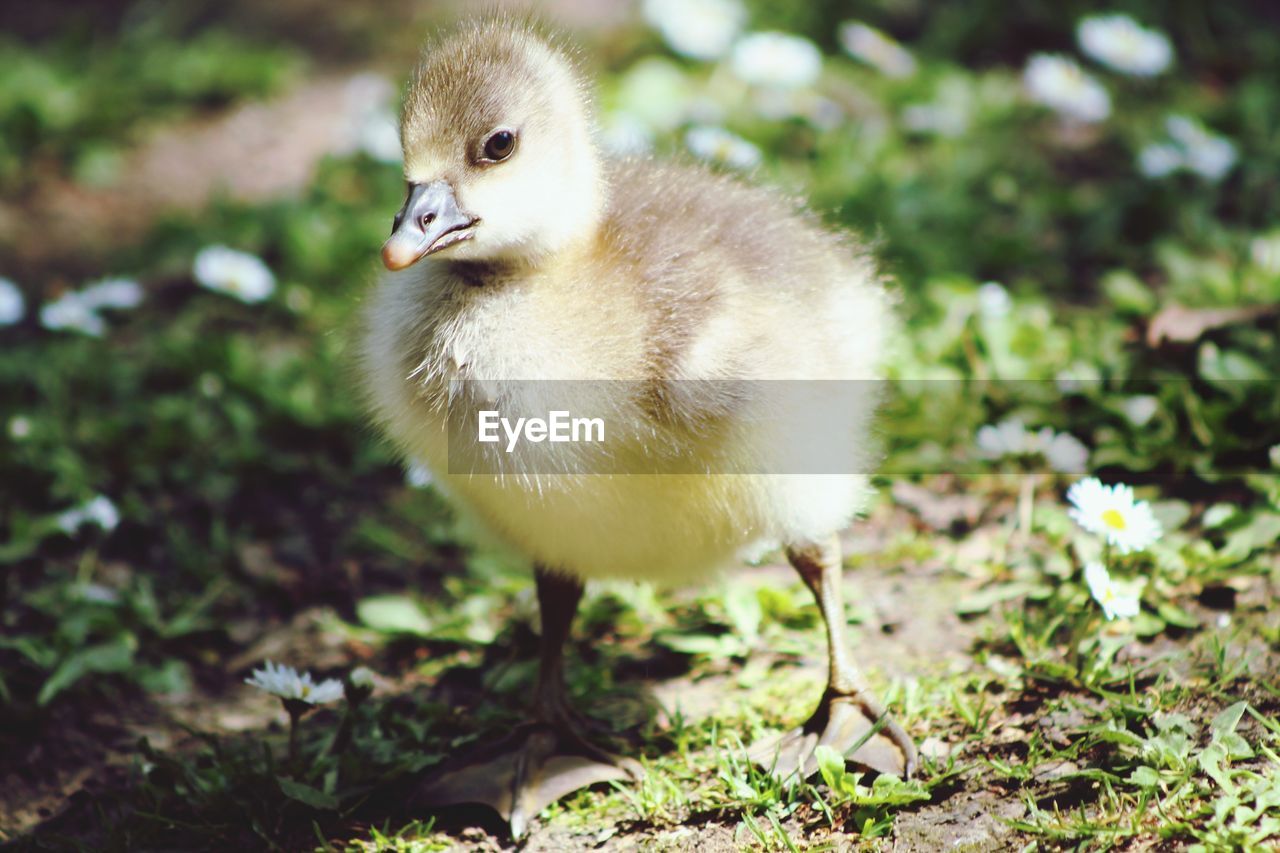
x: 498, y: 151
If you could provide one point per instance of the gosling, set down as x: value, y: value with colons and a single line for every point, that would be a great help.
x: 523, y: 255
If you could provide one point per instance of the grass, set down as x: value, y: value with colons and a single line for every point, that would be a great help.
x: 260, y: 519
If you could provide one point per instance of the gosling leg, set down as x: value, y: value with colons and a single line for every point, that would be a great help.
x: 848, y: 710
x: 546, y: 758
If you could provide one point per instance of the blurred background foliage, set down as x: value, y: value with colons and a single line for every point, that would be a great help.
x: 1023, y: 246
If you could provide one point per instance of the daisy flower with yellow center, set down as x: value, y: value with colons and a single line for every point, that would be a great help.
x: 293, y: 686
x: 1113, y: 513
x: 1118, y: 599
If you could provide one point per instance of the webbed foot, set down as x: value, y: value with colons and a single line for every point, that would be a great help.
x: 522, y: 774
x: 845, y: 723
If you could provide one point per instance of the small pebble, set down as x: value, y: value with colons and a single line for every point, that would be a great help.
x: 935, y: 748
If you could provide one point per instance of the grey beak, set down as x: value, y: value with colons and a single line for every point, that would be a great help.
x: 429, y: 221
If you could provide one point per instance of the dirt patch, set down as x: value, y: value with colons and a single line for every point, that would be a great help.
x: 255, y: 152
x: 966, y: 822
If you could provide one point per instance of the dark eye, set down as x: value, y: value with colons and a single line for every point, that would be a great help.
x: 499, y: 146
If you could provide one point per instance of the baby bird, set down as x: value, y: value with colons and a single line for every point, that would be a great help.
x: 522, y: 258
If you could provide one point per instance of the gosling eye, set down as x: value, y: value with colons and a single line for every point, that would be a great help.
x: 499, y: 146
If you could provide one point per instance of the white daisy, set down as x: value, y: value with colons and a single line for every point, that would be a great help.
x: 717, y: 145
x: 417, y: 476
x: 1010, y: 438
x: 1063, y: 86
x: 1118, y: 599
x: 101, y: 511
x: 13, y: 307
x: 1007, y: 438
x: 379, y: 136
x: 237, y: 274
x: 698, y: 29
x: 362, y: 677
x: 115, y: 293
x: 1190, y: 147
x: 776, y: 60
x: 1113, y: 513
x: 1212, y: 158
x: 1160, y: 159
x: 876, y: 49
x: 1264, y: 251
x: 19, y: 427
x: 287, y: 683
x: 1207, y: 154
x: 1077, y: 377
x: 1065, y: 453
x: 626, y: 135
x: 1120, y: 42
x: 96, y: 593
x: 994, y: 300
x: 375, y: 128
x: 1140, y: 409
x: 71, y: 313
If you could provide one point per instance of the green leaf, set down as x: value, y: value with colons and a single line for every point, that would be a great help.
x: 32, y: 649
x: 1226, y: 721
x: 1237, y: 747
x: 892, y: 791
x: 173, y: 677
x: 1171, y: 514
x: 17, y: 549
x: 984, y: 599
x: 1129, y: 294
x: 1219, y: 515
x: 1230, y: 370
x: 1176, y: 616
x: 830, y: 765
x: 1144, y: 625
x: 742, y: 606
x: 307, y: 795
x: 1120, y: 736
x: 1261, y: 532
x: 1210, y: 761
x: 1144, y: 777
x: 115, y: 656
x: 394, y: 614
x: 713, y: 646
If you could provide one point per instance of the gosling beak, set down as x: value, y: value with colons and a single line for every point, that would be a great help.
x: 429, y: 221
